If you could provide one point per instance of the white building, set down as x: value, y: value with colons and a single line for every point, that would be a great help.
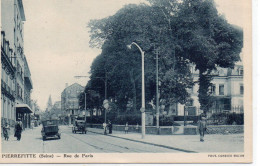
x: 70, y: 101
x: 227, y: 89
x: 12, y: 29
x: 7, y: 83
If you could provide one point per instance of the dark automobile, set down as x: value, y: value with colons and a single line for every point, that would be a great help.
x: 50, y: 129
x: 79, y: 126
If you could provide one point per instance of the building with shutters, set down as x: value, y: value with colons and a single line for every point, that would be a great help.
x: 70, y: 101
x: 227, y: 90
x: 15, y: 78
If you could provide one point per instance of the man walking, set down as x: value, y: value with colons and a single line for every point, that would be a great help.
x: 202, y: 126
x: 110, y: 127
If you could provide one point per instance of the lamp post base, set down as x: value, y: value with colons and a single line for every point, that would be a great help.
x: 143, y: 125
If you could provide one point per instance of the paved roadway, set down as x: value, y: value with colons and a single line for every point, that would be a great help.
x: 32, y: 142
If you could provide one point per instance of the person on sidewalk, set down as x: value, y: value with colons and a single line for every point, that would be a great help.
x: 18, y: 130
x: 202, y: 126
x: 5, y: 131
x: 105, y: 128
x: 137, y: 128
x: 110, y: 127
x: 126, y: 128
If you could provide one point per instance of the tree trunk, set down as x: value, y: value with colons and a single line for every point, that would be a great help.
x: 204, y: 94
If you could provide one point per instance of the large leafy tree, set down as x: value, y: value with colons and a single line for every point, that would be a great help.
x: 208, y: 41
x: 148, y: 27
x: 203, y: 38
x: 186, y: 32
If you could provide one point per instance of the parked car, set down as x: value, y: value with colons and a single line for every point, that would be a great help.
x: 50, y: 129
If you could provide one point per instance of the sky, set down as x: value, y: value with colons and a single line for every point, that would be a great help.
x: 56, y: 40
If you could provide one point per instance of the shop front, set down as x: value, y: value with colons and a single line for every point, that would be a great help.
x: 23, y: 112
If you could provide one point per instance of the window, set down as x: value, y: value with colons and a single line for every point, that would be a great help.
x: 241, y: 71
x: 241, y: 89
x: 189, y: 102
x: 221, y: 89
x: 213, y: 89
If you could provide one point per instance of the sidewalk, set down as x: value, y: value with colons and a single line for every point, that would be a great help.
x: 185, y: 143
x: 30, y: 138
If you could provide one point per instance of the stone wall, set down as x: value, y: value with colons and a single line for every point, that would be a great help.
x: 173, y: 130
x: 225, y: 129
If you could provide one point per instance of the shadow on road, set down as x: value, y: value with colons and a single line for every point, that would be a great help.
x: 49, y: 139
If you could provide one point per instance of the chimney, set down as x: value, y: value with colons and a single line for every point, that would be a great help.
x: 66, y: 85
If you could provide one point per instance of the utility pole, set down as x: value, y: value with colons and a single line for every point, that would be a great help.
x: 157, y: 93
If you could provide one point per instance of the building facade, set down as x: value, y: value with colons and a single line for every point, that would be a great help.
x: 28, y: 86
x: 13, y: 18
x: 70, y: 101
x: 227, y: 91
x: 7, y: 82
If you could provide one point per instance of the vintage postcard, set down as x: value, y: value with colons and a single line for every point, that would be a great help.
x: 126, y: 81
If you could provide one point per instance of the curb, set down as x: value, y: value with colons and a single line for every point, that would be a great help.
x: 148, y: 143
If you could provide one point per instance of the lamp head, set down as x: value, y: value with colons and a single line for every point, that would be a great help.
x: 129, y: 46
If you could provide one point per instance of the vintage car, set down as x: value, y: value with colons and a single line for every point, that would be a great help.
x: 50, y: 129
x: 79, y: 126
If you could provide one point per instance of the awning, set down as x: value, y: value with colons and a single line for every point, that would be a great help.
x: 23, y: 108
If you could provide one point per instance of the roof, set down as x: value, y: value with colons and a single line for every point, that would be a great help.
x: 75, y: 84
x: 20, y: 5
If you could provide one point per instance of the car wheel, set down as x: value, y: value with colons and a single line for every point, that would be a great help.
x: 43, y: 138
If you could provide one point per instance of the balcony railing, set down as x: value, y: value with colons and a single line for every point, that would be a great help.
x: 7, y: 90
x: 6, y: 56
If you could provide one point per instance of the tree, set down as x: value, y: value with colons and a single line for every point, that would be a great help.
x: 146, y: 26
x: 91, y: 98
x: 208, y: 41
x: 203, y: 38
x: 185, y: 32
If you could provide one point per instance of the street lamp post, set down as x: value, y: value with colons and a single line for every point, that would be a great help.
x: 157, y: 93
x: 143, y: 88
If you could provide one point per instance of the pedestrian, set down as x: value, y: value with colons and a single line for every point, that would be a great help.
x: 202, y: 126
x: 18, y: 130
x: 105, y: 128
x: 5, y: 131
x: 126, y: 128
x: 137, y: 127
x: 110, y: 127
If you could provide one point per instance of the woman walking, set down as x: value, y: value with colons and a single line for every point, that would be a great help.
x: 18, y: 130
x: 5, y: 131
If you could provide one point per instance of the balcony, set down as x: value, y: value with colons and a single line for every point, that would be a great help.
x: 6, y: 57
x: 7, y: 91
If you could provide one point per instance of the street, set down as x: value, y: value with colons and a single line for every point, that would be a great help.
x: 32, y: 142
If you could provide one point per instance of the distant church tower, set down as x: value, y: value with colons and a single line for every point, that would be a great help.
x: 49, y: 104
